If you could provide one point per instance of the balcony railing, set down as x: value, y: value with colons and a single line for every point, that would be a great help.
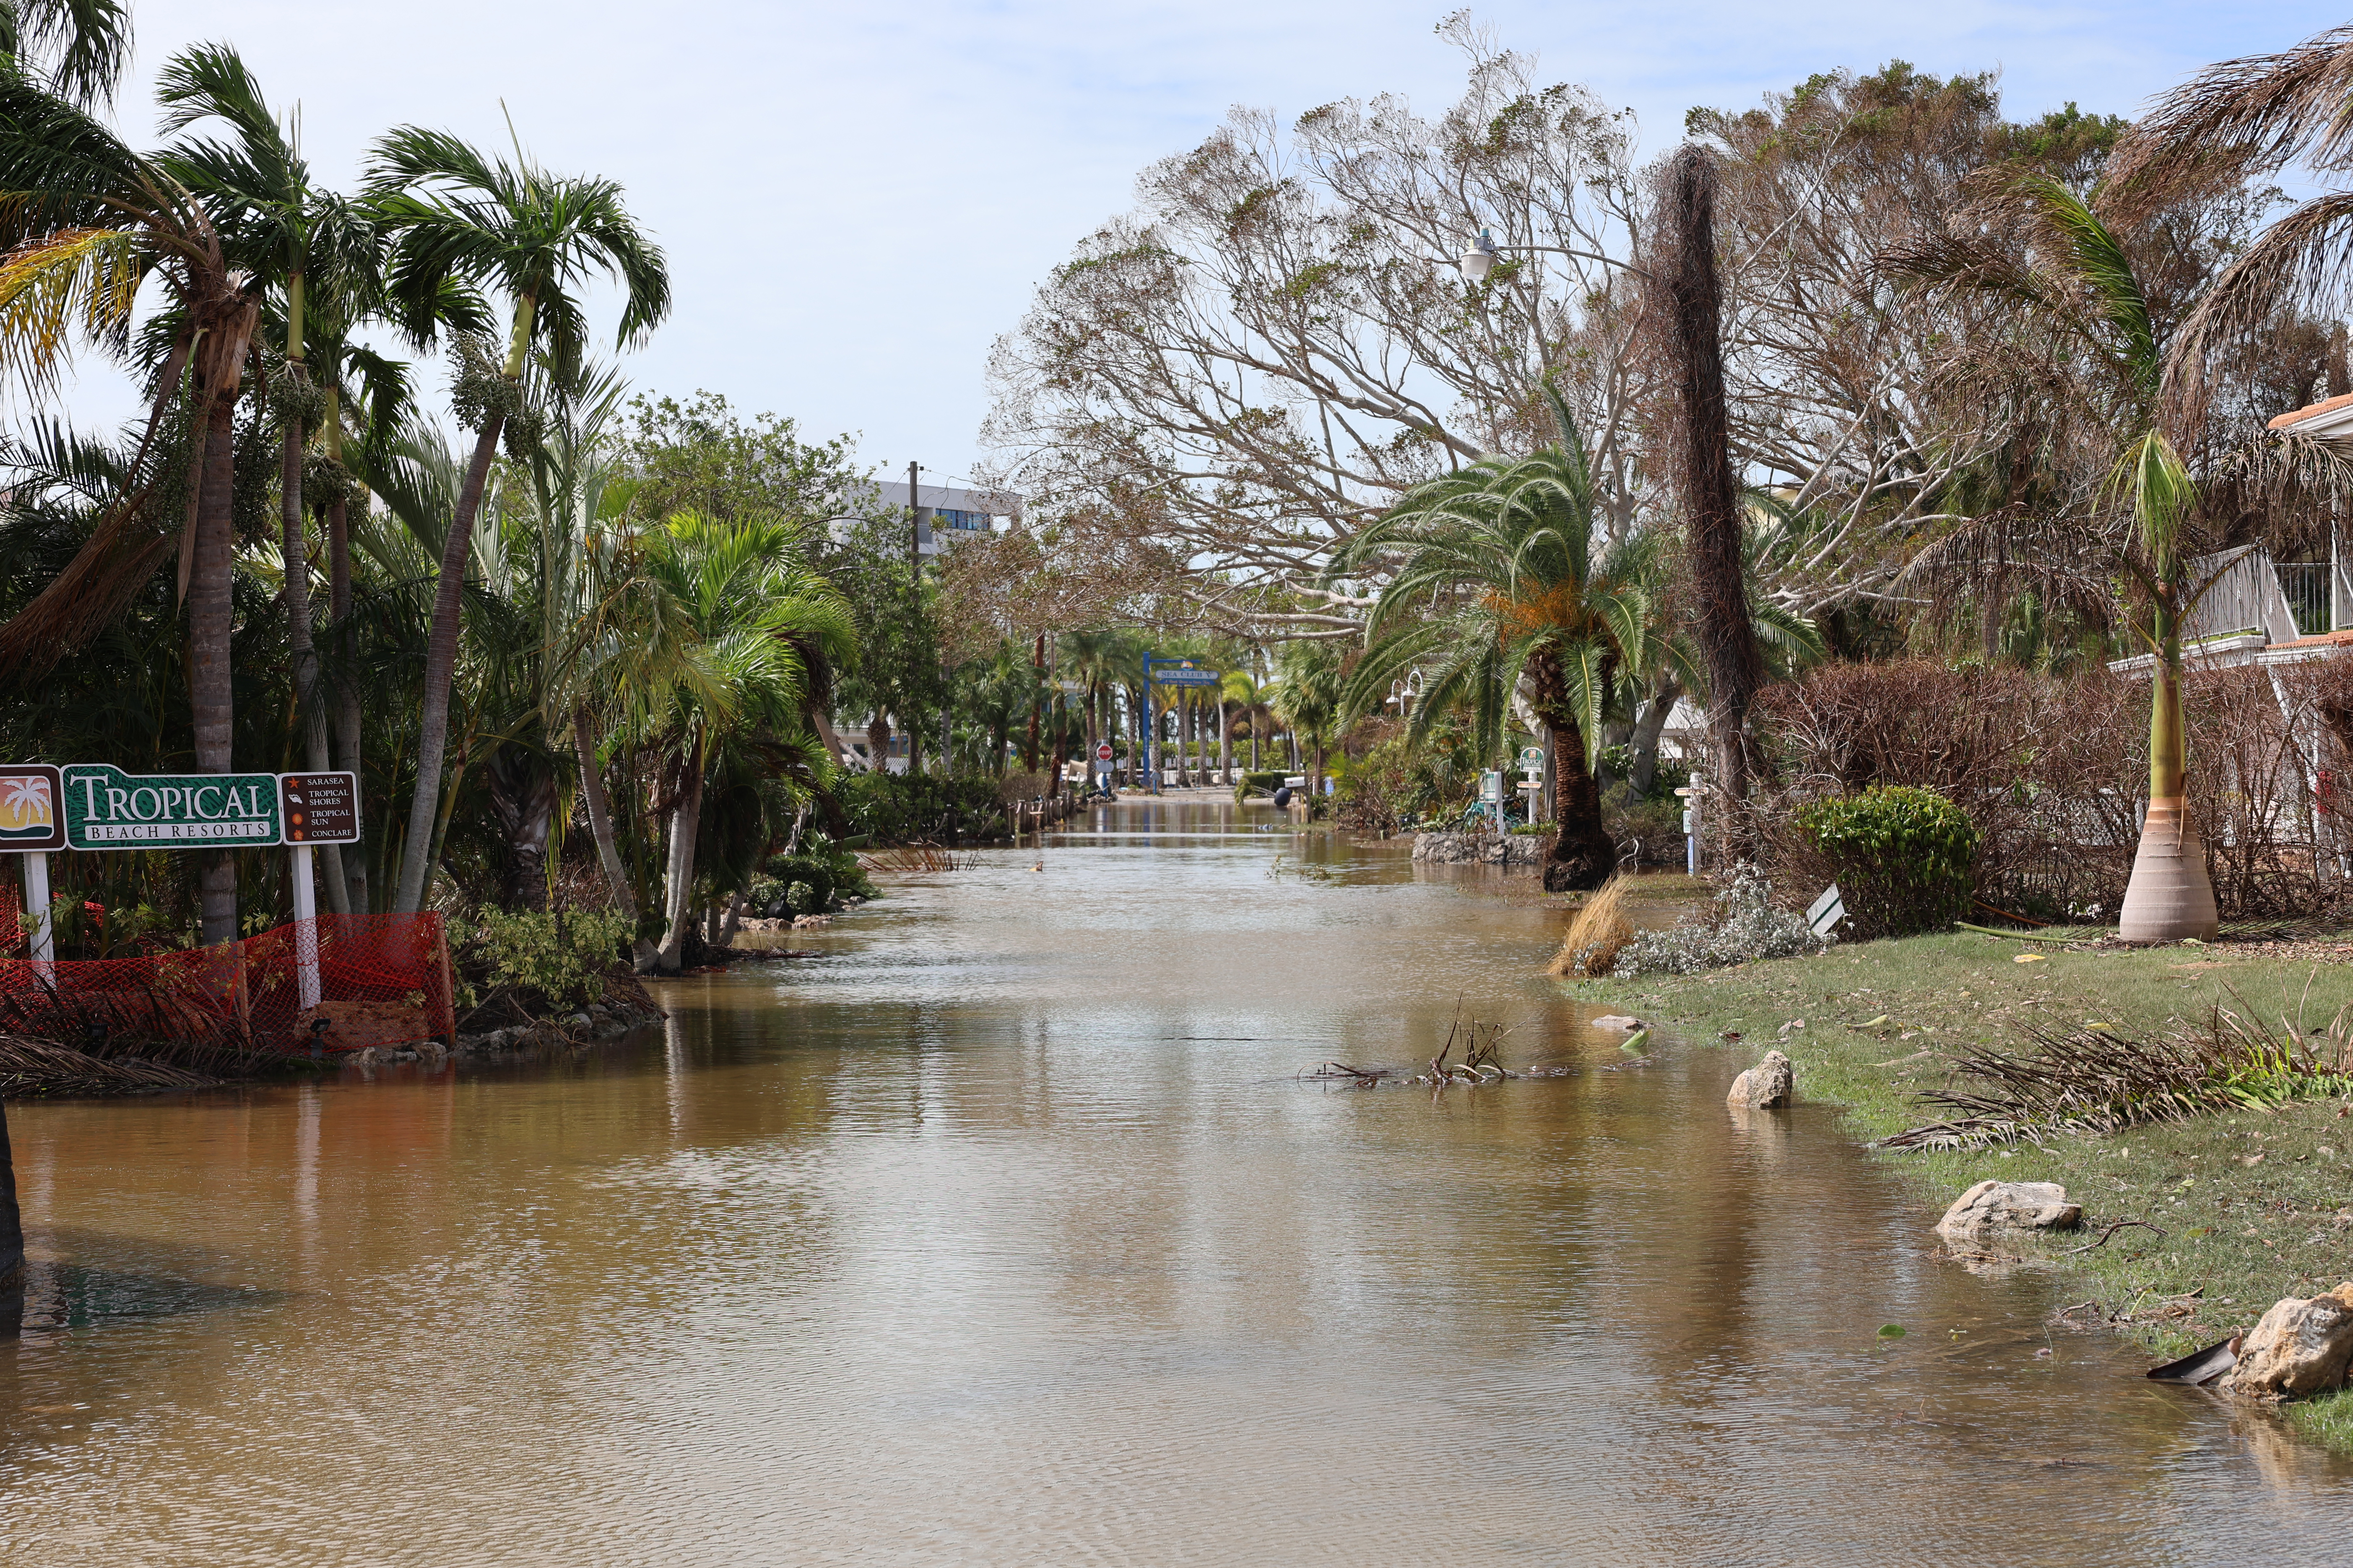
x: 2304, y: 585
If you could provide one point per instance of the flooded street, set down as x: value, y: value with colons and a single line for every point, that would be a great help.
x: 997, y: 1231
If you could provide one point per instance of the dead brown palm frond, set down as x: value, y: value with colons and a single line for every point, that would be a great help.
x: 1942, y: 259
x: 1595, y: 933
x: 2066, y: 560
x: 2303, y: 262
x: 34, y: 1068
x: 2241, y: 117
x: 2088, y: 1082
x: 2289, y: 473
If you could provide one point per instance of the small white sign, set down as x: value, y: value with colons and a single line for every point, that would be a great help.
x: 1827, y: 910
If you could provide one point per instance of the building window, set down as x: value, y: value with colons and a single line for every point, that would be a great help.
x: 969, y: 522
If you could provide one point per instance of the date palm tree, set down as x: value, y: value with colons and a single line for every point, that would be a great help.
x: 1492, y: 580
x: 515, y: 229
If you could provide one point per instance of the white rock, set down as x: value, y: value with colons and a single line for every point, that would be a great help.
x: 1618, y: 1021
x: 1992, y: 1206
x: 1765, y: 1087
x: 2301, y: 1346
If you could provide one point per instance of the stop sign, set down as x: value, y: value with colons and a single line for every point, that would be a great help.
x: 1102, y: 752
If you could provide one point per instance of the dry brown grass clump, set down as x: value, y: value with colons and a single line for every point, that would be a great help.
x: 1590, y: 948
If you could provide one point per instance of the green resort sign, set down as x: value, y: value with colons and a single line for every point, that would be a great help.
x: 105, y: 809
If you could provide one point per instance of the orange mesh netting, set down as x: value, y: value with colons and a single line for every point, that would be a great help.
x: 384, y: 980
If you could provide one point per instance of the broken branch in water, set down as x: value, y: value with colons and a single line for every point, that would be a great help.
x: 1363, y: 1077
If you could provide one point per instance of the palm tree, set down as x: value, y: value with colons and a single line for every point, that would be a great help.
x: 75, y: 48
x: 88, y: 221
x: 1098, y: 660
x: 1310, y: 698
x: 530, y: 236
x: 758, y: 609
x: 2076, y: 277
x: 1492, y: 580
x: 283, y: 232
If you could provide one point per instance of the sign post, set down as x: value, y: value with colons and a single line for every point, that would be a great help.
x: 316, y: 808
x: 31, y: 825
x: 1692, y: 823
x: 1170, y: 672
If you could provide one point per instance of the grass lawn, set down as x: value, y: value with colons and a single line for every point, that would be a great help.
x: 2250, y: 1206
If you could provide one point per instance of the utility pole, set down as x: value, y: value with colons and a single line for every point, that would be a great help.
x: 914, y: 545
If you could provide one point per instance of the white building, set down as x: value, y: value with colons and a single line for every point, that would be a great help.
x: 942, y: 511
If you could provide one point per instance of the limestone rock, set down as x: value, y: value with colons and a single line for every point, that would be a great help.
x: 1618, y: 1021
x: 2301, y: 1346
x: 1992, y: 1206
x: 1765, y: 1087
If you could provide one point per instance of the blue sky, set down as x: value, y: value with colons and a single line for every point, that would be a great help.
x: 856, y: 200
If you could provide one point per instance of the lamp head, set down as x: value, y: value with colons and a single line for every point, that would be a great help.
x: 1479, y: 260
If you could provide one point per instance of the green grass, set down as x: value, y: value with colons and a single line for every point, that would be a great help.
x: 2236, y: 1236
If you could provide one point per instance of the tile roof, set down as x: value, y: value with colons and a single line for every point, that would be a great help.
x: 2299, y: 416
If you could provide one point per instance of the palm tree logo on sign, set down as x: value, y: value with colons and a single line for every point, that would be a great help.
x: 28, y: 809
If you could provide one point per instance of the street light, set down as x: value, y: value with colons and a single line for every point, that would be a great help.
x: 1479, y: 260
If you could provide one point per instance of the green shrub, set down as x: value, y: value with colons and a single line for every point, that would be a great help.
x: 901, y: 808
x: 1656, y: 825
x: 811, y: 882
x: 1901, y: 857
x: 562, y: 958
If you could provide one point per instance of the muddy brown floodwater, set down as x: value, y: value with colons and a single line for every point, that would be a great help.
x: 998, y: 1232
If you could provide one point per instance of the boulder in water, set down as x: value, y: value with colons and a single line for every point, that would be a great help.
x: 2301, y: 1346
x: 1767, y: 1085
x: 1992, y: 1206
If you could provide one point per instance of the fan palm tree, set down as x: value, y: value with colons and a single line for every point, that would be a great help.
x: 458, y: 215
x: 1492, y: 580
x: 2074, y: 276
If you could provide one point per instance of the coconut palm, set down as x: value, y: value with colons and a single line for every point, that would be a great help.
x: 458, y: 215
x: 1492, y: 581
x: 1308, y: 696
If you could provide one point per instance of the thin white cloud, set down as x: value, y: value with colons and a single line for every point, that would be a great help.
x: 856, y: 200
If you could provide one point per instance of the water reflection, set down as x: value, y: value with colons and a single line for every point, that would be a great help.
x: 997, y: 1231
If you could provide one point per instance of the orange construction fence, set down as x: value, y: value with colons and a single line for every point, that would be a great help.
x: 380, y: 980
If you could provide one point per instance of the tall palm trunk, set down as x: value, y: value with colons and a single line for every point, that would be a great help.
x: 2169, y: 896
x: 297, y: 556
x: 678, y: 892
x: 347, y: 697
x: 440, y: 668
x: 1225, y: 744
x: 600, y: 829
x: 1690, y: 314
x: 210, y: 607
x: 442, y: 644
